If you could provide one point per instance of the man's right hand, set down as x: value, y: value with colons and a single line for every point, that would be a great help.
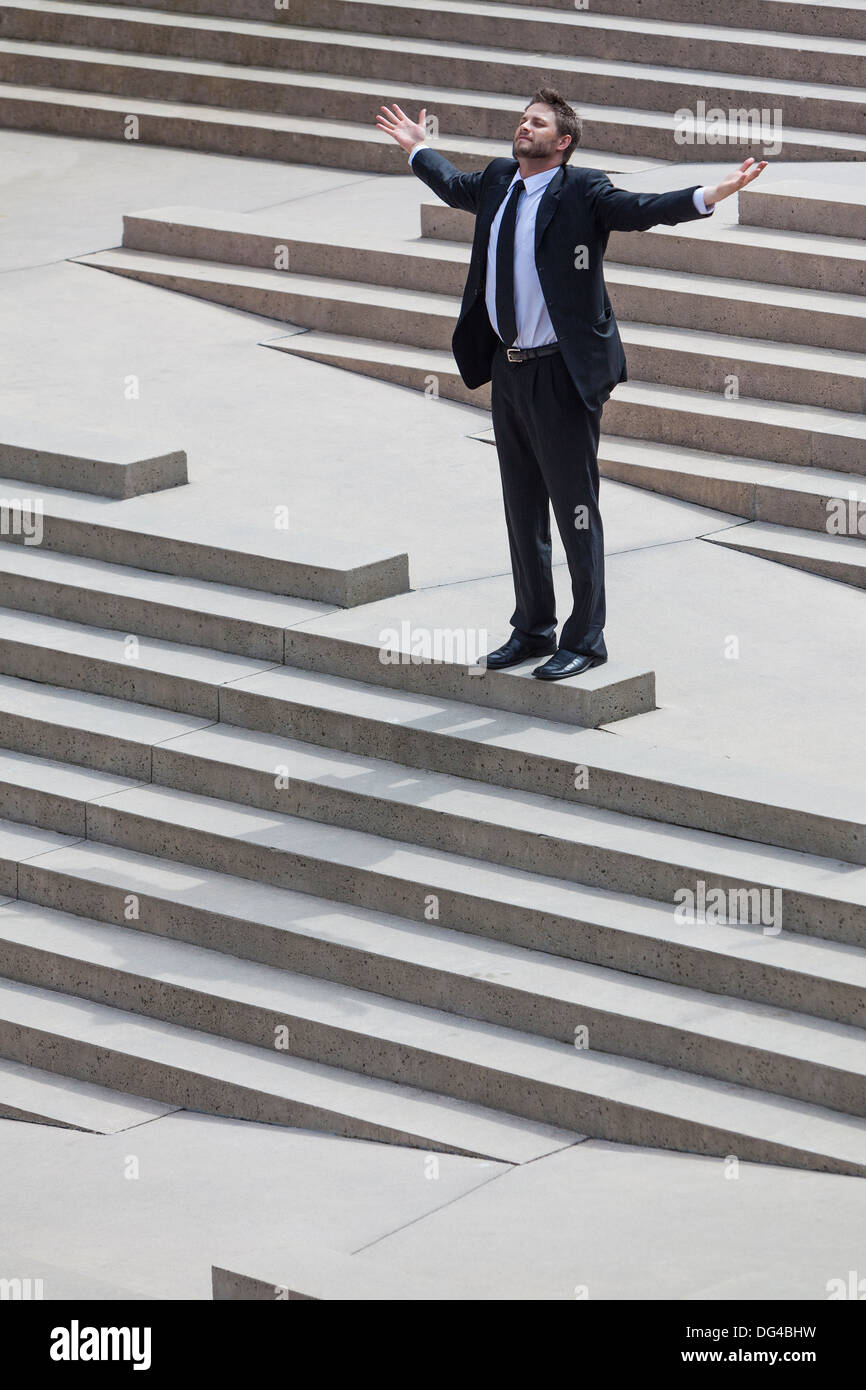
x: 397, y: 124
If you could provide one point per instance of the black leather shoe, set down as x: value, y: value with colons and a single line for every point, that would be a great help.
x: 564, y: 663
x: 515, y: 650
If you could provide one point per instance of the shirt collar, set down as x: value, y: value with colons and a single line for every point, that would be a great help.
x: 535, y: 182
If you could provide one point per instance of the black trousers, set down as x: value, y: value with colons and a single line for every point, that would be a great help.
x: 547, y: 442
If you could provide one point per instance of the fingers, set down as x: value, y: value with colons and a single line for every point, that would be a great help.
x: 755, y: 171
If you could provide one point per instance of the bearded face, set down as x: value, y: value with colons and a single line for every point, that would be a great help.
x: 537, y: 136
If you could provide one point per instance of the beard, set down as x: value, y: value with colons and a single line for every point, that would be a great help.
x: 535, y: 148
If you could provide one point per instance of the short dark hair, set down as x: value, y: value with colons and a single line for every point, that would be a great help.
x: 567, y: 120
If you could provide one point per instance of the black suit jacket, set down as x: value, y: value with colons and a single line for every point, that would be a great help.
x: 579, y: 209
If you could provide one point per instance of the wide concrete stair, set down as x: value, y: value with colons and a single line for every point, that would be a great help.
x: 732, y: 333
x: 304, y: 83
x: 273, y: 887
x: 260, y: 863
x: 236, y: 570
x: 746, y: 342
x: 446, y: 1011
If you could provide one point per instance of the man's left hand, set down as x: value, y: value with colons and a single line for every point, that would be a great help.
x: 747, y: 172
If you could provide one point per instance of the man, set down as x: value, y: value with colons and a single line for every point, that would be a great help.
x: 537, y: 322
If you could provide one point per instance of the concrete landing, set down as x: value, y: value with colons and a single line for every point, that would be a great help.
x: 607, y: 1222
x: 144, y: 1215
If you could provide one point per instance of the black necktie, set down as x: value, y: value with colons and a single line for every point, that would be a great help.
x: 506, y: 316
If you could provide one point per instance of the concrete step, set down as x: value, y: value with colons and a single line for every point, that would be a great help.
x: 343, y: 745
x: 405, y: 647
x: 252, y: 134
x: 799, y: 436
x: 184, y: 1067
x: 823, y: 122
x: 788, y: 434
x: 419, y: 961
x: 833, y: 264
x: 53, y: 794
x: 190, y: 679
x: 808, y: 107
x: 677, y: 357
x: 432, y: 370
x: 315, y: 301
x: 830, y: 18
x: 520, y: 996
x: 760, y: 489
x: 185, y: 679
x: 42, y: 1098
x: 593, y: 35
x: 823, y: 555
x: 511, y: 27
x: 159, y: 237
x: 806, y: 498
x: 796, y: 205
x: 86, y: 460
x: 95, y: 731
x: 720, y: 304
x: 614, y: 1096
x: 230, y: 553
x: 21, y: 842
x: 687, y: 358
x: 523, y: 850
x: 741, y: 251
x: 74, y: 589
x: 709, y: 247
x: 423, y: 316
x: 443, y: 737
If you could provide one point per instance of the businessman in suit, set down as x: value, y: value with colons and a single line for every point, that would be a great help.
x: 536, y: 321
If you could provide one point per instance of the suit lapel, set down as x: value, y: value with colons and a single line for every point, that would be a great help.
x: 549, y: 204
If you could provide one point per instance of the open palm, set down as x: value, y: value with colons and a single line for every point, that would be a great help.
x: 740, y: 178
x: 397, y: 124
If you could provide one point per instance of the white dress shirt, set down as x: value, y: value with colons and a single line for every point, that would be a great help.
x: 534, y: 328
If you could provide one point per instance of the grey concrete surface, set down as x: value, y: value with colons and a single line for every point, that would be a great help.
x: 604, y: 1221
x: 594, y: 1221
x: 145, y: 1214
x: 754, y: 663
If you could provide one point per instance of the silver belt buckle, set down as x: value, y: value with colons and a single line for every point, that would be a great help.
x: 518, y: 354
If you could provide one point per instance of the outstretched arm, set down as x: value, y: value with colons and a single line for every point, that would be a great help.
x: 454, y: 188
x: 617, y: 210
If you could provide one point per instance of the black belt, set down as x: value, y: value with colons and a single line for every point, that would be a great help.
x: 525, y: 354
